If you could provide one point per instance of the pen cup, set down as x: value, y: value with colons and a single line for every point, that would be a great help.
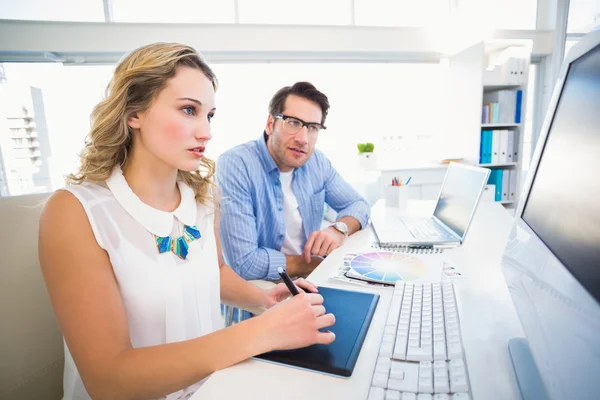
x: 396, y: 196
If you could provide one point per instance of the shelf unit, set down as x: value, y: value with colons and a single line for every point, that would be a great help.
x: 500, y: 125
x: 469, y: 78
x: 498, y: 86
x: 507, y: 165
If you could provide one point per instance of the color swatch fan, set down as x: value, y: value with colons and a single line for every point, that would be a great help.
x: 389, y: 267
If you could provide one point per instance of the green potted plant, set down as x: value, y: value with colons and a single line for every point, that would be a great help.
x: 366, y: 156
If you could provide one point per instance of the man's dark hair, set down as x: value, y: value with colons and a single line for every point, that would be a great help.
x: 305, y: 90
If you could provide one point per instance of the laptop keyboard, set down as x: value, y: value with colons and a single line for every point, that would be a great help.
x: 421, y: 355
x: 423, y: 229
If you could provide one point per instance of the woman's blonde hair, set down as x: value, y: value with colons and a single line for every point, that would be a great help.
x: 136, y: 82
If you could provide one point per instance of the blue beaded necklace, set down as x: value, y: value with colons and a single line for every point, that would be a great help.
x: 180, y: 245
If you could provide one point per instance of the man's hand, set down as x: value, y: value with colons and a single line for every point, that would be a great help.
x: 321, y: 243
x: 296, y: 266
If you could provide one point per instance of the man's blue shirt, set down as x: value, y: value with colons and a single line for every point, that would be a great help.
x: 252, y: 225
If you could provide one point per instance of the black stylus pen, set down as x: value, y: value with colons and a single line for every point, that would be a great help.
x: 288, y: 281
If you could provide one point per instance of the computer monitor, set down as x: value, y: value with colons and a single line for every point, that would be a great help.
x: 552, y: 258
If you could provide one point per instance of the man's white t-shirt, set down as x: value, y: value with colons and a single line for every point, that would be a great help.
x: 294, y: 232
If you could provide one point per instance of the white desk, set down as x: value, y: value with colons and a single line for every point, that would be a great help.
x: 488, y: 320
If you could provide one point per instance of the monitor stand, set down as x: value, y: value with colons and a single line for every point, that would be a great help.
x: 528, y: 377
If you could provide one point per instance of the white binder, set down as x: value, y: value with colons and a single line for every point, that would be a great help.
x: 505, y: 183
x: 512, y: 186
x: 510, y: 145
x: 503, y: 147
x: 495, y: 147
x: 515, y: 66
x: 522, y: 66
x: 515, y: 147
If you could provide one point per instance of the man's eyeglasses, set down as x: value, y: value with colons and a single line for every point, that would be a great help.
x: 293, y: 125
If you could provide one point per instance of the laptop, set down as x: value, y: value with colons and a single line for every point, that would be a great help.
x: 448, y: 226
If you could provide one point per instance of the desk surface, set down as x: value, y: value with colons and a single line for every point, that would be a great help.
x: 487, y: 316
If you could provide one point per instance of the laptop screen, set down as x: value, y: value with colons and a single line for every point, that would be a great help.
x: 459, y: 196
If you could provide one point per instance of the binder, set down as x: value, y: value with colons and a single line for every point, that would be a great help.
x: 510, y: 144
x: 496, y: 180
x: 503, y: 146
x: 512, y: 187
x: 505, y: 105
x: 496, y: 112
x: 504, y: 100
x: 485, y: 114
x: 488, y: 150
x: 519, y: 101
x: 495, y: 147
x: 498, y: 196
x: 516, y: 147
x: 522, y: 66
x: 508, y: 72
x: 493, y: 111
x: 515, y: 69
x: 485, y: 146
x: 481, y: 152
x: 505, y: 183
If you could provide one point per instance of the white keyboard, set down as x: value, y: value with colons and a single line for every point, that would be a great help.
x: 421, y: 353
x: 424, y: 229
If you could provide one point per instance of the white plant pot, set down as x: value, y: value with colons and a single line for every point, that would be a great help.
x: 367, y: 161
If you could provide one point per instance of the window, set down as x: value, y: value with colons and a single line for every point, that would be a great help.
x: 53, y: 10
x: 173, y: 11
x: 494, y: 14
x: 386, y: 104
x: 44, y: 143
x: 307, y: 12
x: 499, y: 14
x: 401, y: 12
x: 584, y: 15
x: 382, y: 103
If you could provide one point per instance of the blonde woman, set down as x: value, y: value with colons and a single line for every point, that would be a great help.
x: 130, y: 250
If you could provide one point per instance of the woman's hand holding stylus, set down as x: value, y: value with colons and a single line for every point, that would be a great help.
x: 295, y: 323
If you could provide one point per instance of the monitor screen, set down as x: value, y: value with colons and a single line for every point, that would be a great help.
x: 563, y: 207
x: 459, y: 196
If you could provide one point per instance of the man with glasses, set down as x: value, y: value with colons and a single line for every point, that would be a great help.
x: 274, y: 190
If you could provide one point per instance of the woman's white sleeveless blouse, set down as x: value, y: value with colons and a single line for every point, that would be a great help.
x: 166, y: 299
